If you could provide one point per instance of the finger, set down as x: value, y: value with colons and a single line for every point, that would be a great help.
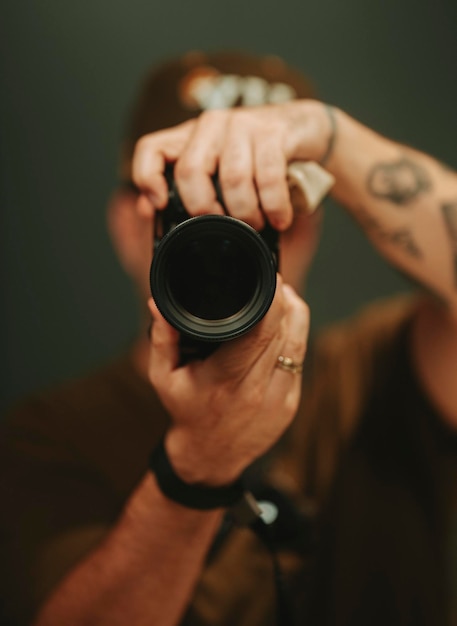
x: 270, y: 167
x: 144, y: 207
x: 290, y: 341
x: 164, y: 357
x: 285, y: 385
x: 151, y: 154
x: 198, y: 162
x: 236, y: 176
x: 297, y: 324
x: 235, y: 358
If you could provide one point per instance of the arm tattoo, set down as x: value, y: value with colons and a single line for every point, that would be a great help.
x: 449, y: 210
x: 399, y: 182
x: 331, y: 142
x: 400, y: 236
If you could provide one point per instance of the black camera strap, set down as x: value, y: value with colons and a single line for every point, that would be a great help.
x: 283, y: 604
x: 287, y: 529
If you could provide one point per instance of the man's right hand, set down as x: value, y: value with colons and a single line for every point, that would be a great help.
x: 232, y: 407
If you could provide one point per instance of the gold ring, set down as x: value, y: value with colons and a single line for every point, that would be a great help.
x: 288, y: 365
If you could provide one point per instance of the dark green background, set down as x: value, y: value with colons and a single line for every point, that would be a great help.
x: 68, y: 72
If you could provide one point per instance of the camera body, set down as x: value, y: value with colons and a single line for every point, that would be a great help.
x: 213, y: 277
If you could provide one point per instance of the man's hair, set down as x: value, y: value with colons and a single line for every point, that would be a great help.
x: 181, y: 88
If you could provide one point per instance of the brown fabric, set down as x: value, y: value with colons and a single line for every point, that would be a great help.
x: 68, y: 461
x: 366, y: 449
x: 383, y: 468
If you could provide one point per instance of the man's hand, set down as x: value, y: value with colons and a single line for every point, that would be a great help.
x: 249, y: 148
x: 404, y: 200
x: 232, y: 407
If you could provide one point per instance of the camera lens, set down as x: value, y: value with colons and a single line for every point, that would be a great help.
x: 213, y: 277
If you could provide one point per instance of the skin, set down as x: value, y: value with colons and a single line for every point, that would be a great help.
x: 404, y: 200
x: 230, y: 408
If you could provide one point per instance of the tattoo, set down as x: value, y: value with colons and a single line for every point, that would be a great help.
x: 331, y: 142
x: 399, y: 182
x: 400, y: 237
x: 450, y: 218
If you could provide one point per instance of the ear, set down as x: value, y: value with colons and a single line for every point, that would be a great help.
x: 131, y: 235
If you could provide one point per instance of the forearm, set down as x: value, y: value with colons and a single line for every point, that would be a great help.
x: 405, y: 201
x: 145, y: 570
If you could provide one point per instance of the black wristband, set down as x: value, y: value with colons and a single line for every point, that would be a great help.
x: 191, y: 496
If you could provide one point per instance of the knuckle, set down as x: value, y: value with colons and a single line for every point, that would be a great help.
x: 159, y: 343
x: 232, y: 177
x: 211, y: 115
x: 246, y: 117
x: 270, y: 177
x: 143, y: 144
x: 218, y: 400
x: 264, y: 337
x: 255, y: 397
x: 185, y: 169
x: 295, y: 345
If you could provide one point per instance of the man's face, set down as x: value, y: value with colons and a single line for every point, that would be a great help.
x: 132, y: 237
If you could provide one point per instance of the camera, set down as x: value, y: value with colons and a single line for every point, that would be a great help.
x: 213, y: 277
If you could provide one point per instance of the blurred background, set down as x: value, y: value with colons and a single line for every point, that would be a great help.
x: 68, y: 74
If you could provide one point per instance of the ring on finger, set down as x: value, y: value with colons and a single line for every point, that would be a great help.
x: 288, y: 365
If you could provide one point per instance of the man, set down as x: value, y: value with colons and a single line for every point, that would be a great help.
x: 96, y: 537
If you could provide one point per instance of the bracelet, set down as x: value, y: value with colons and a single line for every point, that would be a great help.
x: 193, y: 496
x: 331, y: 141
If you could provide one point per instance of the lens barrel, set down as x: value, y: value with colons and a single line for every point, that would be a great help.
x: 213, y: 277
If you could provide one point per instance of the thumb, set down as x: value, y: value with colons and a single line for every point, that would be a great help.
x: 165, y: 355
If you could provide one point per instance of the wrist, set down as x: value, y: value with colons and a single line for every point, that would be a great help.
x: 313, y: 126
x: 198, y: 463
x: 201, y: 497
